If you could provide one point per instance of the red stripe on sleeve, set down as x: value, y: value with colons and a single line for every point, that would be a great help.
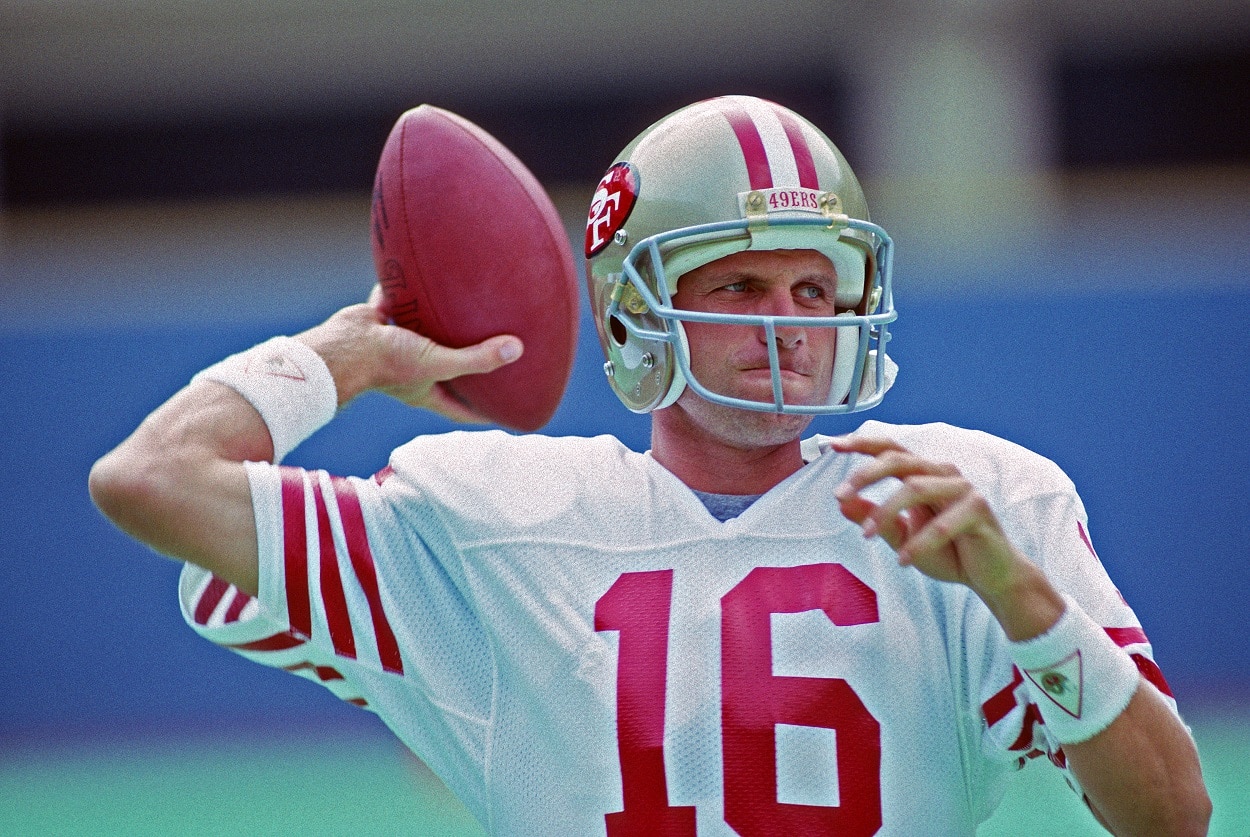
x: 802, y: 152
x: 295, y: 551
x: 366, y: 573
x: 1080, y: 528
x: 1127, y: 636
x: 1149, y: 668
x: 1151, y: 671
x: 759, y: 173
x: 998, y: 706
x: 236, y: 606
x: 332, y: 596
x: 324, y: 673
x: 209, y: 599
x: 1032, y: 717
x: 277, y: 642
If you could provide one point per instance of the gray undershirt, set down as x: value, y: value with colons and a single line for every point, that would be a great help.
x: 726, y: 506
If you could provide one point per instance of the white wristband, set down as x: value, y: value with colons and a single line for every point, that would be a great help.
x: 1078, y: 677
x: 289, y: 385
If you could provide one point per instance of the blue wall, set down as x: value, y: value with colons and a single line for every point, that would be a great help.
x: 1141, y: 397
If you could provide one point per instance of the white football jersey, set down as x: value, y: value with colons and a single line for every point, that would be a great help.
x: 562, y: 631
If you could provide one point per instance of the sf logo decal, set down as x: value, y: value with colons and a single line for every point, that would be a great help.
x: 1055, y: 683
x: 610, y: 207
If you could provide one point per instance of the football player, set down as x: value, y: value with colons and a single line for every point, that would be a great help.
x: 740, y: 631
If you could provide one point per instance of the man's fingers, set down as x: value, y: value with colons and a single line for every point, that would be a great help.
x: 920, y: 493
x: 489, y: 355
x: 855, y: 508
x: 926, y: 487
x: 891, y: 462
x: 942, y: 529
x: 442, y: 363
x: 921, y: 505
x: 935, y: 520
x: 868, y: 445
x: 418, y: 367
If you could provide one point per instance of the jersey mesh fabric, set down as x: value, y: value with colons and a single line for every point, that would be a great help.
x: 473, y: 595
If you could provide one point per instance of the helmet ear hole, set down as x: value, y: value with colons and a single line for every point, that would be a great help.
x: 618, y: 331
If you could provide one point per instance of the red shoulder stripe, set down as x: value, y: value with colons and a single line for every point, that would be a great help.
x: 1032, y: 717
x: 1080, y: 528
x: 323, y: 673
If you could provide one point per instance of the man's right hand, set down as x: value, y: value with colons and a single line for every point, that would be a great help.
x: 178, y: 483
x: 364, y: 352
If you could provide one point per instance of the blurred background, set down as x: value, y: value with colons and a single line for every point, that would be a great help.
x: 1067, y: 183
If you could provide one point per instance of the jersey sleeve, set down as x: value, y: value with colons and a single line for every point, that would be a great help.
x: 353, y: 596
x: 226, y: 616
x: 319, y: 607
x: 1053, y: 530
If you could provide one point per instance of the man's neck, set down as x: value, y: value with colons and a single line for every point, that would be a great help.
x: 707, y: 463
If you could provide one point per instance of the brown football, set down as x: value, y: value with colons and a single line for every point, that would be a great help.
x: 467, y: 245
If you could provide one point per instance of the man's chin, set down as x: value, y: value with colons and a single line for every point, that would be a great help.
x: 742, y: 427
x: 766, y: 429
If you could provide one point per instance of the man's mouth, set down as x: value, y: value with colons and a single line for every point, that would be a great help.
x: 787, y: 370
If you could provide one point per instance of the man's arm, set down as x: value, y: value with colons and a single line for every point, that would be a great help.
x: 178, y: 483
x: 1141, y: 773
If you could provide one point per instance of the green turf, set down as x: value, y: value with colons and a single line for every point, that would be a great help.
x: 367, y: 786
x: 1040, y: 804
x: 198, y: 787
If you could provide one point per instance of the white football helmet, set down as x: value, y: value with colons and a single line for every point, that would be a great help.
x: 718, y: 177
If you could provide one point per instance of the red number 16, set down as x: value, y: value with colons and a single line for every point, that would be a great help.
x: 753, y: 702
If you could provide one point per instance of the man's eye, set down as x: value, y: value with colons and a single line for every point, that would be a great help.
x: 811, y: 292
x: 736, y: 287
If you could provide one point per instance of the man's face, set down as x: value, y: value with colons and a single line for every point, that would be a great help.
x: 733, y: 360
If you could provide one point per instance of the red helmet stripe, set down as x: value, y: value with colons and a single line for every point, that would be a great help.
x: 759, y: 173
x: 802, y: 152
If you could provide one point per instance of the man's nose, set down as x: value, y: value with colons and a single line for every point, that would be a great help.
x: 787, y: 337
